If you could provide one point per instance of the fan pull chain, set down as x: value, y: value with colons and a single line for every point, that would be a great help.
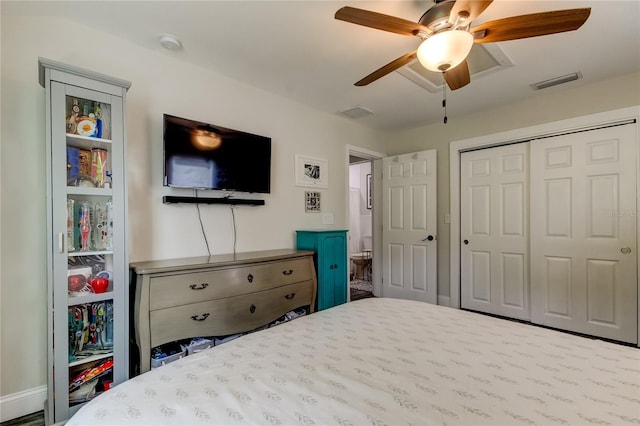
x: 444, y: 99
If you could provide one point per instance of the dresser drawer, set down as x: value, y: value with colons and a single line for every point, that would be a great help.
x: 230, y: 315
x: 185, y: 288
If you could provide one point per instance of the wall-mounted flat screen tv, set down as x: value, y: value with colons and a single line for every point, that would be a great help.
x: 204, y: 156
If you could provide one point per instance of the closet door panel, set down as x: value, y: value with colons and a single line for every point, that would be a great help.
x: 583, y: 232
x: 558, y: 279
x: 558, y: 197
x: 481, y: 214
x: 513, y: 214
x: 513, y: 279
x: 494, y: 223
x: 480, y: 277
x: 601, y: 291
x: 602, y: 193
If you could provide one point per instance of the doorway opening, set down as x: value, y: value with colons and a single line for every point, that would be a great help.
x: 360, y: 229
x: 360, y: 211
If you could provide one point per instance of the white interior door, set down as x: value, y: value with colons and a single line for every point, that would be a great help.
x: 583, y: 233
x: 409, y: 223
x: 494, y: 228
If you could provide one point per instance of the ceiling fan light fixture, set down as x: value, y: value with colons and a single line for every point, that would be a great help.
x: 445, y: 50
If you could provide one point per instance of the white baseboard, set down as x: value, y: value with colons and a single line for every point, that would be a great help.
x: 22, y: 403
x: 444, y: 300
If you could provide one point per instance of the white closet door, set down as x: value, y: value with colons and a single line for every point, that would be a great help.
x: 583, y: 233
x: 494, y: 230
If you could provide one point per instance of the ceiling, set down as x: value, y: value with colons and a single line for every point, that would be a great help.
x: 297, y: 49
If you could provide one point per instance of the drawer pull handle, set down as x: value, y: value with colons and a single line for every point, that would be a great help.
x: 250, y: 278
x: 200, y: 317
x: 252, y: 308
x: 199, y: 287
x: 289, y: 296
x: 288, y: 272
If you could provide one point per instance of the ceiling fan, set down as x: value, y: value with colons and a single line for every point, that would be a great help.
x: 447, y: 36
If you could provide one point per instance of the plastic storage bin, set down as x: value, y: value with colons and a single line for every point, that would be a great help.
x: 197, y: 345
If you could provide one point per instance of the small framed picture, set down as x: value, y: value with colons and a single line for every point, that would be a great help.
x: 312, y: 202
x: 313, y: 172
x: 369, y: 192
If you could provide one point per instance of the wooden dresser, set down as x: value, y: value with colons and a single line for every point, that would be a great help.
x: 217, y: 295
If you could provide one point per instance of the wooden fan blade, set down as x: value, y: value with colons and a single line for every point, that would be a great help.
x: 458, y: 77
x: 390, y: 67
x: 533, y: 25
x: 379, y: 21
x: 468, y: 9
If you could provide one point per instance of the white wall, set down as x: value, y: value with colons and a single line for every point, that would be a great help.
x: 362, y: 215
x: 354, y: 176
x: 549, y: 105
x: 365, y: 213
x: 160, y: 84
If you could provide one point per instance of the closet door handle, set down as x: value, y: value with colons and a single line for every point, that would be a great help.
x: 199, y: 287
x: 61, y: 242
x: 252, y: 308
x: 625, y: 250
x: 250, y: 278
x: 466, y: 242
x: 288, y: 272
x: 200, y: 317
x: 289, y: 296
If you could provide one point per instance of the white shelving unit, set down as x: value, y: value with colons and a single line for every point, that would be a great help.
x: 88, y: 330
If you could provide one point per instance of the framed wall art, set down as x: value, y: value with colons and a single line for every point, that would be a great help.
x: 312, y: 202
x: 312, y: 172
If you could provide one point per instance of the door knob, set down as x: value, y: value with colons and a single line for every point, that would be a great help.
x: 625, y: 250
x: 466, y: 242
x: 429, y: 238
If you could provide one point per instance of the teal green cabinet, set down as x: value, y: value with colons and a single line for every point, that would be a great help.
x: 330, y: 257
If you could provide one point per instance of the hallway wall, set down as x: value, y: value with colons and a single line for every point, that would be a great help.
x: 360, y: 220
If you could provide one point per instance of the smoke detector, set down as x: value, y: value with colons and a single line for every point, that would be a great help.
x: 170, y: 42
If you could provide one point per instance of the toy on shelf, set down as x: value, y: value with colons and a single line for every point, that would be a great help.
x: 85, y: 227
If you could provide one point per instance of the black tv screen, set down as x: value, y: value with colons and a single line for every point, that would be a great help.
x: 203, y: 156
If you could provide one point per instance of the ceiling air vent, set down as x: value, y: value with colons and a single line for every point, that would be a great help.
x: 357, y: 112
x: 483, y: 59
x: 556, y: 81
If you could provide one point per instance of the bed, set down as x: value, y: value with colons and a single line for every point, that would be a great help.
x: 386, y: 362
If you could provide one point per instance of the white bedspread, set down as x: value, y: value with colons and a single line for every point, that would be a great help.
x: 386, y: 362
